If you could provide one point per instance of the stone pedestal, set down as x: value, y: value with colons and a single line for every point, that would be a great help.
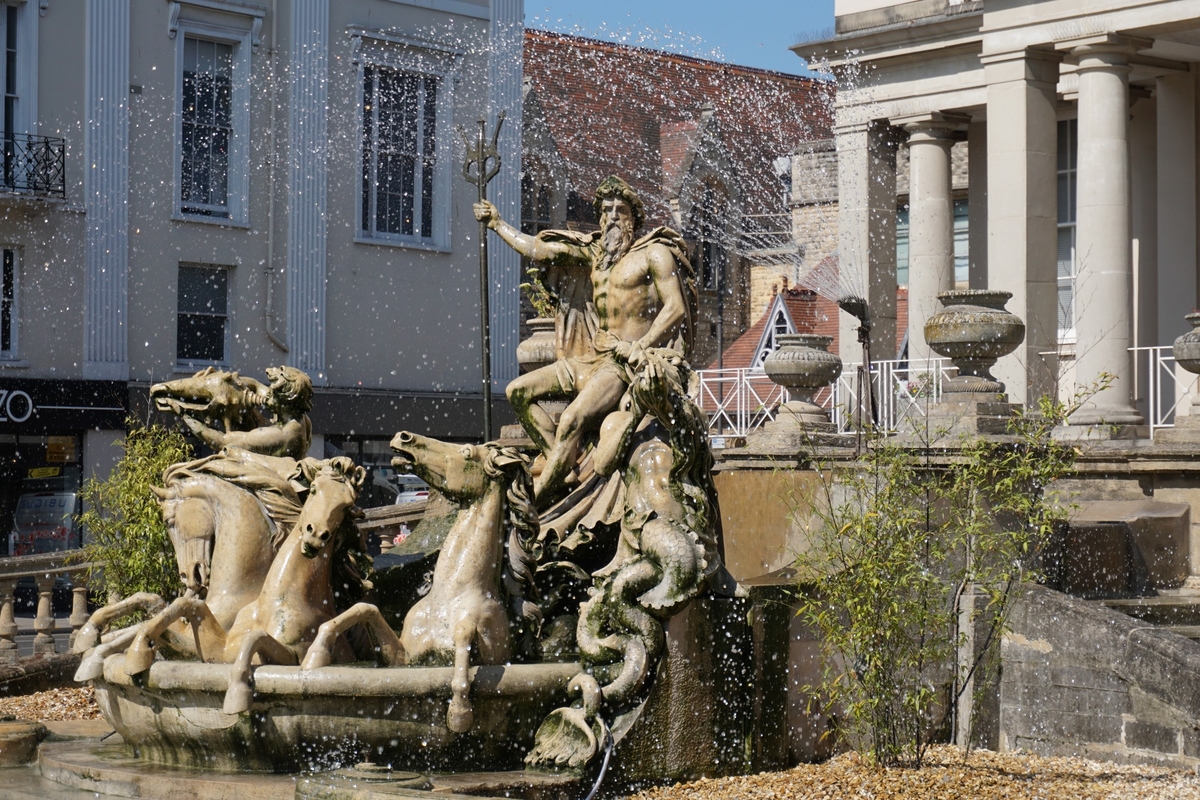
x: 968, y: 413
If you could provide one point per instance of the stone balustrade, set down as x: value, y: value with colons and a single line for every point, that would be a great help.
x: 44, y: 568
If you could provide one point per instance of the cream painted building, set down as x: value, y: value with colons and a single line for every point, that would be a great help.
x: 243, y: 183
x: 1080, y: 119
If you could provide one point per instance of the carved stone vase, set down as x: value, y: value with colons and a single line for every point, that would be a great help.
x: 802, y: 365
x: 540, y: 349
x: 1186, y: 351
x: 973, y: 330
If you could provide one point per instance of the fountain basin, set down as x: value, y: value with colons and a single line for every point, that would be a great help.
x: 324, y: 718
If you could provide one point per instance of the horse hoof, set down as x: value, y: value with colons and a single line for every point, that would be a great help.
x: 460, y: 717
x: 87, y: 638
x: 237, y: 699
x: 317, y: 657
x: 138, y: 658
x: 89, y: 669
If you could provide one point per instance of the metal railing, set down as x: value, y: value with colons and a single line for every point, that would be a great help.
x: 1166, y: 386
x: 33, y: 165
x: 740, y: 401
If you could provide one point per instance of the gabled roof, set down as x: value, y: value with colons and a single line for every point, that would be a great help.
x: 805, y: 312
x: 637, y: 113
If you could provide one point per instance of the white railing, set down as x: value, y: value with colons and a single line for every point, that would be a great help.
x: 1166, y: 386
x: 739, y: 401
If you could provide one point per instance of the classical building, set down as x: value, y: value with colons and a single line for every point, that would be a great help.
x: 707, y: 145
x: 239, y: 184
x: 1080, y: 123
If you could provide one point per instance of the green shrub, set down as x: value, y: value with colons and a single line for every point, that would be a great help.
x: 126, y: 537
x: 912, y: 549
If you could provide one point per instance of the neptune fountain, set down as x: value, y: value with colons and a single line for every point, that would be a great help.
x: 538, y: 645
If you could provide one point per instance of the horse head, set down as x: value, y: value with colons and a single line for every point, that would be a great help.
x: 214, y: 396
x: 455, y: 470
x: 190, y: 528
x: 329, y: 505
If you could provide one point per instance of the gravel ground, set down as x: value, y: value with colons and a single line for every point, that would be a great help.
x: 946, y: 777
x: 56, y: 704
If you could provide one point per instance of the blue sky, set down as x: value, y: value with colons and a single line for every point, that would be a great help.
x: 756, y: 33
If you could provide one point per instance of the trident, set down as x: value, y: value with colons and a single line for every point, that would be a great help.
x: 485, y: 158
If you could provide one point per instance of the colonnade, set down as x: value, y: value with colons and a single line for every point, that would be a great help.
x: 1016, y: 134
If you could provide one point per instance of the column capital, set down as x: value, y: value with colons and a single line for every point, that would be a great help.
x: 1027, y: 64
x: 933, y: 126
x: 1102, y: 50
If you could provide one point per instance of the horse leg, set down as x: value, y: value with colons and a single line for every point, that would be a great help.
x: 269, y: 650
x: 140, y: 655
x: 89, y: 635
x: 460, y: 716
x: 388, y: 650
x: 92, y: 666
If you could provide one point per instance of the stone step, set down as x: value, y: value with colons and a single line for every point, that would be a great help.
x: 1165, y: 609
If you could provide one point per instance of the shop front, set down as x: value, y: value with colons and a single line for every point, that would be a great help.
x: 45, y: 428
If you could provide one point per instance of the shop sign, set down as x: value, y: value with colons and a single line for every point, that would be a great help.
x: 60, y: 449
x: 33, y: 406
x: 15, y: 405
x: 37, y: 473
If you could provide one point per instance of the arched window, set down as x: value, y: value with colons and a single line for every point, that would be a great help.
x: 535, y: 204
x: 709, y: 225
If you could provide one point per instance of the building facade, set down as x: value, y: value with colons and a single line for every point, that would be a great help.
x: 240, y: 184
x: 707, y: 145
x: 1080, y: 123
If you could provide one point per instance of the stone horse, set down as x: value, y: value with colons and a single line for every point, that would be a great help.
x: 296, y: 599
x: 225, y: 534
x: 213, y: 395
x: 485, y: 557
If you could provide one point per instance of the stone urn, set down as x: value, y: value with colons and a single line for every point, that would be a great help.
x: 1186, y: 351
x: 541, y: 348
x: 973, y: 330
x: 802, y: 365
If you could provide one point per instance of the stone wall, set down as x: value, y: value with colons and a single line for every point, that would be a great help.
x: 1079, y: 679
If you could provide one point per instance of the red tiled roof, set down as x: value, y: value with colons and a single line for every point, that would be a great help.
x: 617, y: 109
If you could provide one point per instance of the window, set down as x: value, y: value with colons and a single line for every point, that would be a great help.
x: 775, y: 328
x: 29, y: 161
x: 709, y: 225
x: 961, y: 234
x: 9, y: 297
x: 212, y: 125
x: 401, y: 165
x: 535, y: 205
x: 1068, y: 133
x: 202, y: 324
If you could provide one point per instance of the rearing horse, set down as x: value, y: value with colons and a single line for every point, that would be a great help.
x: 224, y: 539
x: 295, y: 602
x: 464, y: 606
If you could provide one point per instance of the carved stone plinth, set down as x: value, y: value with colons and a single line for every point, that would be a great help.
x: 964, y: 413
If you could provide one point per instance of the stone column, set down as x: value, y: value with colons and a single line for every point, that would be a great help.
x: 1104, y: 260
x: 977, y: 203
x: 930, y: 221
x: 43, y: 623
x: 1022, y: 228
x: 8, y: 625
x: 1175, y: 100
x: 867, y: 233
x: 79, y: 596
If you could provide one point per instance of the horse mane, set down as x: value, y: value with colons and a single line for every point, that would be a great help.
x: 521, y: 550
